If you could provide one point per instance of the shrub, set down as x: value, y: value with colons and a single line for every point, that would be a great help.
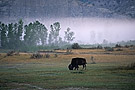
x: 117, y: 45
x: 47, y: 56
x: 36, y: 56
x: 119, y: 49
x: 55, y: 55
x: 126, y: 46
x: 76, y: 46
x: 109, y: 49
x: 11, y: 53
x: 99, y: 47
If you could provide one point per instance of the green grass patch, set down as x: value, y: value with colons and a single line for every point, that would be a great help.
x: 55, y: 75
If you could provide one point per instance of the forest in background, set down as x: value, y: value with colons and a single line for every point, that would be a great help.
x: 35, y: 36
x: 18, y: 36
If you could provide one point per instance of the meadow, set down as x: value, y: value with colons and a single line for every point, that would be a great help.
x: 20, y: 72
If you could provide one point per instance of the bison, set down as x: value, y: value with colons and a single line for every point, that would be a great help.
x: 77, y: 61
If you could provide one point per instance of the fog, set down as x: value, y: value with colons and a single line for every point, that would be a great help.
x: 92, y: 21
x: 95, y: 30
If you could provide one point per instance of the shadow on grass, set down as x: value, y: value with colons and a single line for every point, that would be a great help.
x: 77, y: 72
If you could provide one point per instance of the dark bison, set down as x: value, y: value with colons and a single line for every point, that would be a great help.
x: 77, y: 61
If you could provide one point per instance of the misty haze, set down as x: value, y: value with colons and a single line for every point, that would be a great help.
x: 95, y: 30
x: 67, y: 44
x: 92, y: 20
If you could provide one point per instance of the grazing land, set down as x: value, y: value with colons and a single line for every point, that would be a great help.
x: 111, y: 72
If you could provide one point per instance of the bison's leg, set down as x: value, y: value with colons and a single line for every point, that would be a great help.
x: 84, y: 66
x: 76, y: 67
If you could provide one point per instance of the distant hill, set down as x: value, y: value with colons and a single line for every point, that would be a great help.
x: 67, y: 8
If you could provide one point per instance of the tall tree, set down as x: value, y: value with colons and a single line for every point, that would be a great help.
x: 35, y: 33
x: 11, y: 40
x: 50, y: 39
x: 43, y: 34
x: 54, y: 33
x: 0, y: 32
x: 40, y: 33
x: 3, y: 36
x: 57, y: 28
x: 20, y: 30
x: 29, y: 38
x: 15, y: 31
x: 51, y: 35
x: 69, y: 36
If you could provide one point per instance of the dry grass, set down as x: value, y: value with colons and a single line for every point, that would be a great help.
x: 21, y: 72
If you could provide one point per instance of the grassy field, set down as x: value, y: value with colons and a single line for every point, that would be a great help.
x: 19, y: 72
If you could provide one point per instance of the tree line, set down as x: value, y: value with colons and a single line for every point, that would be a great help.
x: 17, y: 35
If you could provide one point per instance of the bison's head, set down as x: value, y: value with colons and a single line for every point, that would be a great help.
x: 70, y: 67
